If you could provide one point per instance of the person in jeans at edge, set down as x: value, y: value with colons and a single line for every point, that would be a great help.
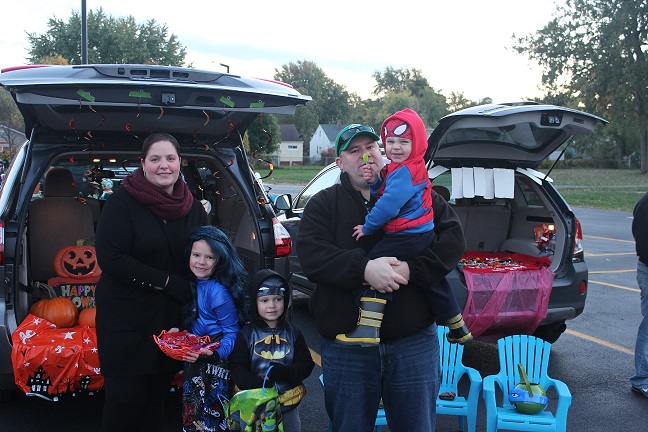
x: 639, y: 380
x: 403, y: 369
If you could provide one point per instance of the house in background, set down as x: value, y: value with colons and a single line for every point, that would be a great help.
x: 322, y: 140
x: 291, y: 149
x: 10, y: 139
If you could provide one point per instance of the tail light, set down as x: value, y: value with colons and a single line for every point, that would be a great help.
x: 578, y: 241
x: 283, y: 242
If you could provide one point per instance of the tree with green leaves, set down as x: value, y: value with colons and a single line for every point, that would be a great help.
x: 263, y: 135
x: 458, y: 101
x: 11, y: 123
x: 330, y: 100
x: 595, y: 50
x: 110, y: 40
x: 9, y: 114
x: 398, y: 89
x: 399, y: 80
x: 394, y: 101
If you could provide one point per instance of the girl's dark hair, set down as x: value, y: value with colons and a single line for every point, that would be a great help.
x: 157, y: 137
x: 229, y: 269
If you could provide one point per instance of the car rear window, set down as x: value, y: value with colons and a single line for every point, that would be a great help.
x: 526, y: 135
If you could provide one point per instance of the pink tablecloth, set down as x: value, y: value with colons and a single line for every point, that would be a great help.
x: 507, y: 293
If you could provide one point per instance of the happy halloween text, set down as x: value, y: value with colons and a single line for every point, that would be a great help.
x: 81, y: 295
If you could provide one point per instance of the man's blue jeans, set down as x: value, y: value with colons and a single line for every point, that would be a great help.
x: 640, y: 378
x: 404, y: 372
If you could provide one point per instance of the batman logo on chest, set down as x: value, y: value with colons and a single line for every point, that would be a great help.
x: 272, y: 347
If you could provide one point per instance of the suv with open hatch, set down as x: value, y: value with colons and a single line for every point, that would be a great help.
x: 87, y: 123
x: 483, y: 161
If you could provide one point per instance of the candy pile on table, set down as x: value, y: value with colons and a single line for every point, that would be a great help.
x: 501, y: 262
x: 494, y: 264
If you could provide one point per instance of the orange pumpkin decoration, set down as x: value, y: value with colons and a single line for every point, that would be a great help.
x: 87, y: 317
x: 77, y: 262
x: 60, y: 311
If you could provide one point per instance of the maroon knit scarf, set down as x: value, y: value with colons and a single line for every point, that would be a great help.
x: 163, y: 205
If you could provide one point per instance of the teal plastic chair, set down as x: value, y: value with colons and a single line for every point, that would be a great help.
x: 452, y: 370
x: 381, y: 420
x: 533, y: 354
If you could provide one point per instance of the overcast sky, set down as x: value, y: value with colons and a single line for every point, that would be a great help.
x: 462, y: 46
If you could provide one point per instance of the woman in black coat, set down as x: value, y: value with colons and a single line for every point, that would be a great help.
x: 141, y: 235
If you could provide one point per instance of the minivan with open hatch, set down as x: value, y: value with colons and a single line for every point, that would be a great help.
x: 89, y: 122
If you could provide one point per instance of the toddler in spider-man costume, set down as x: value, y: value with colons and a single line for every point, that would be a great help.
x: 403, y: 210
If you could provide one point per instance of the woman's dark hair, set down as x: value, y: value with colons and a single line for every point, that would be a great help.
x: 229, y: 269
x: 157, y: 137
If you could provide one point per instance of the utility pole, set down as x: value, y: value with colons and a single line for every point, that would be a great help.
x: 84, y: 33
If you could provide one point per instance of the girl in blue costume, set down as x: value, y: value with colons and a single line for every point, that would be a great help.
x: 219, y: 306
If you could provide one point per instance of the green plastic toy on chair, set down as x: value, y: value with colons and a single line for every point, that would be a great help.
x: 528, y: 398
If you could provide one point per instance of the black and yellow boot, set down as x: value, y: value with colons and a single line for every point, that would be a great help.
x: 458, y: 331
x: 367, y: 333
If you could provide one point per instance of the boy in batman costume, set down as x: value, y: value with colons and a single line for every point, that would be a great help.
x: 269, y: 340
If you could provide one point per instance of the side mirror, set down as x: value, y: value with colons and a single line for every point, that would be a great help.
x: 283, y: 202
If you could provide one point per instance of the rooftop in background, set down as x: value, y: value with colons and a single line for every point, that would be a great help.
x: 289, y: 132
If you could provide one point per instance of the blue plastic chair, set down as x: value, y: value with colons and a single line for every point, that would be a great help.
x: 533, y: 354
x: 381, y: 420
x: 452, y: 370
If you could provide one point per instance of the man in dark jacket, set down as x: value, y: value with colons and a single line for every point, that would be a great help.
x: 403, y: 369
x: 639, y: 380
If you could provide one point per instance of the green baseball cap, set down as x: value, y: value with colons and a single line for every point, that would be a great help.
x: 351, y: 131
